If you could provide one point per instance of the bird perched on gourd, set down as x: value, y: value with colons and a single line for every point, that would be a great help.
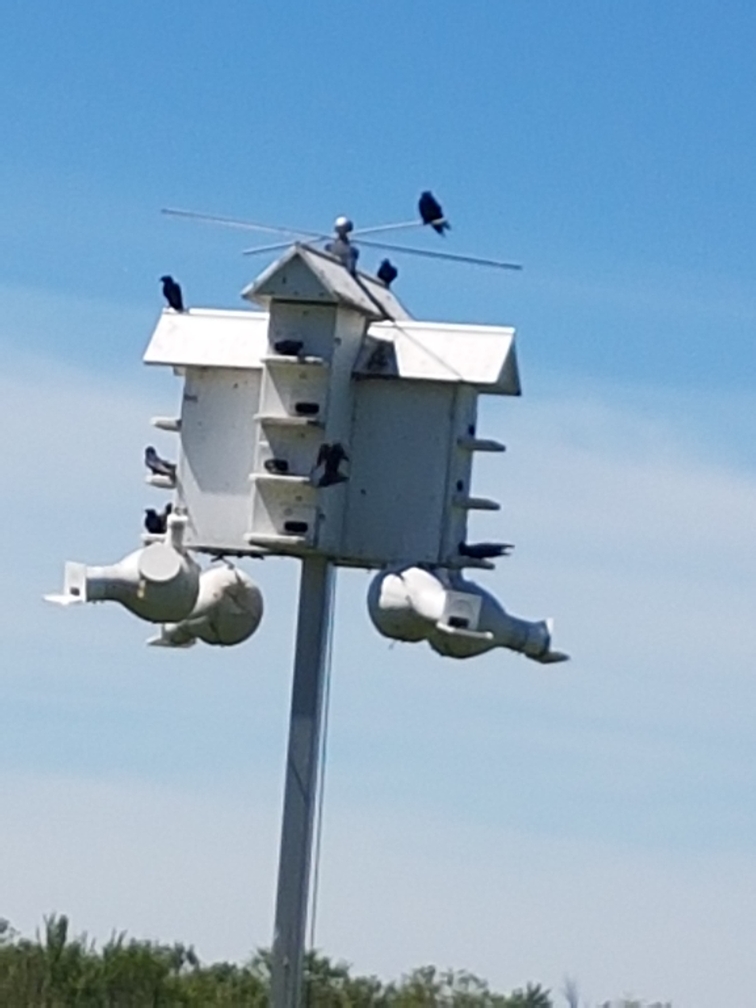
x: 156, y: 522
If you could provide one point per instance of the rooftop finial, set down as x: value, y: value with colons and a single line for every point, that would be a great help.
x: 342, y: 226
x: 341, y: 247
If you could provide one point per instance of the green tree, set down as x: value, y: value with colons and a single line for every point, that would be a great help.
x: 56, y: 970
x: 531, y: 997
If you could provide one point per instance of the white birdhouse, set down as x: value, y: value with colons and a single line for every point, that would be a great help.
x: 332, y: 423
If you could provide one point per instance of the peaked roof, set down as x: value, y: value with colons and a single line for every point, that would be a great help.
x: 483, y: 356
x: 209, y: 337
x: 304, y: 273
x: 478, y: 355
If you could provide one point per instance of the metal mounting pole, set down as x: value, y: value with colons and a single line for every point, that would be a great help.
x: 315, y: 597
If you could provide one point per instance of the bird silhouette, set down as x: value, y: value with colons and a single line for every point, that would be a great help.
x: 288, y: 347
x: 159, y: 466
x: 156, y: 522
x: 276, y: 466
x: 330, y: 456
x: 387, y: 272
x: 172, y: 293
x: 484, y: 550
x: 431, y: 213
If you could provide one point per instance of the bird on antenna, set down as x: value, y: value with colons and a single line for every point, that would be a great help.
x: 159, y: 466
x: 344, y: 242
x: 387, y: 272
x: 172, y: 293
x: 431, y: 213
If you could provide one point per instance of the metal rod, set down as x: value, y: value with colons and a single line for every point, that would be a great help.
x: 242, y: 225
x: 388, y: 227
x: 269, y: 248
x: 474, y: 260
x: 313, y: 621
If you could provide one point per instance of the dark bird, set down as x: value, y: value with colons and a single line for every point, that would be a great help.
x: 172, y: 293
x: 431, y: 213
x: 288, y: 347
x: 330, y: 456
x: 382, y: 358
x: 276, y: 466
x: 156, y: 522
x: 387, y: 272
x: 484, y: 550
x: 157, y: 465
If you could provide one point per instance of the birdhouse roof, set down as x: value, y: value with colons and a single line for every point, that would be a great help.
x: 483, y: 356
x: 305, y: 273
x: 206, y: 337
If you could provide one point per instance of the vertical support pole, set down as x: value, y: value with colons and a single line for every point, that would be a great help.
x: 315, y: 598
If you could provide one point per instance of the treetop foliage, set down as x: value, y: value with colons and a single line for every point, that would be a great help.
x: 58, y: 970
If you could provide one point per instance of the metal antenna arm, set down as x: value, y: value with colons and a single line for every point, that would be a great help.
x: 242, y: 225
x: 473, y: 260
x: 266, y: 248
x: 389, y: 227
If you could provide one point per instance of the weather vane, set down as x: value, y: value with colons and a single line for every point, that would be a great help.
x: 333, y: 427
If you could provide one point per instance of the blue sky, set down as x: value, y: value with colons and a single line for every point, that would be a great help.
x: 597, y: 819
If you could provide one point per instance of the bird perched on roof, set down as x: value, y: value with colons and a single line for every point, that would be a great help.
x: 387, y: 272
x: 159, y: 466
x: 484, y: 550
x: 156, y: 522
x: 172, y: 293
x: 431, y: 213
